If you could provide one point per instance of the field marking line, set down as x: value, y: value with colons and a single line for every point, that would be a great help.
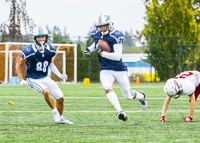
x: 95, y: 105
x: 138, y: 86
x: 94, y: 111
x: 79, y: 97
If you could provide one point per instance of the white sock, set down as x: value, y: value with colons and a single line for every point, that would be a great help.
x: 61, y: 116
x: 139, y: 96
x: 54, y: 110
x: 112, y: 97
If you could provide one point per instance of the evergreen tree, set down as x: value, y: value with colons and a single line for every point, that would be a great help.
x: 3, y: 39
x: 56, y: 38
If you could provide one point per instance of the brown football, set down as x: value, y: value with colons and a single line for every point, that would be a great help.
x: 104, y: 45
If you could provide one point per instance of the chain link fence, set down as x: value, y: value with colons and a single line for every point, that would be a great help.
x: 167, y: 54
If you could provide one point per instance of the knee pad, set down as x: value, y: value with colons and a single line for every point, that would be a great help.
x: 106, y: 86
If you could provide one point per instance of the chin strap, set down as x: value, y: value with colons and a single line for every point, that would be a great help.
x: 40, y: 45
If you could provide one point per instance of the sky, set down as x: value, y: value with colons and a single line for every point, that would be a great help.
x: 79, y: 15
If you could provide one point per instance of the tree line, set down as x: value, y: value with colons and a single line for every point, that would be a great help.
x: 172, y: 25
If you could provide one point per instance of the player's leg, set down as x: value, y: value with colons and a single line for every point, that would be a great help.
x: 107, y: 80
x: 124, y: 83
x: 58, y: 95
x: 38, y: 86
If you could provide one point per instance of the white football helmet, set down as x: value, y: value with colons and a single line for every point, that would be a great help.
x: 39, y: 31
x: 173, y: 88
x: 104, y: 19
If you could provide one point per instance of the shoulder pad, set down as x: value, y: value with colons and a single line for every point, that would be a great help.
x: 118, y: 36
x: 27, y: 51
x: 94, y: 32
x: 51, y: 48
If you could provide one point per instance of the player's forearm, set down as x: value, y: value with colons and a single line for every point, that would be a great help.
x: 111, y: 56
x: 192, y: 107
x: 166, y: 105
x: 92, y: 48
x: 19, y: 72
x: 116, y: 56
x: 54, y: 69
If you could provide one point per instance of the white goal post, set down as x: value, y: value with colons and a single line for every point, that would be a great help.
x: 10, y: 50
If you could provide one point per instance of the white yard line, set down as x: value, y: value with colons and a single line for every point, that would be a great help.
x: 140, y: 86
x: 80, y: 97
x: 94, y: 111
x: 95, y: 105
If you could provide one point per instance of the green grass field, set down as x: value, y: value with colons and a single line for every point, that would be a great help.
x: 31, y: 120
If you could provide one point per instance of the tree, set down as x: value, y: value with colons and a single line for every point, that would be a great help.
x: 3, y: 39
x: 82, y: 64
x: 170, y: 18
x: 56, y: 38
x: 18, y: 18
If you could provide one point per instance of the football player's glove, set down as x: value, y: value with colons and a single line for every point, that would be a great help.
x: 99, y: 50
x: 87, y: 52
x: 64, y: 76
x: 23, y: 83
x: 188, y: 119
x: 162, y: 119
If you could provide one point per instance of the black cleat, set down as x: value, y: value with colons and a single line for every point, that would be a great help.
x: 122, y: 116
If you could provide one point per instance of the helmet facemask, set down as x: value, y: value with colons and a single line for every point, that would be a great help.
x: 40, y: 31
x: 40, y: 45
x: 103, y: 32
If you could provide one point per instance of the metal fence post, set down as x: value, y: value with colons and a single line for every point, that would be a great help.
x: 89, y: 61
x: 60, y: 39
x: 180, y: 53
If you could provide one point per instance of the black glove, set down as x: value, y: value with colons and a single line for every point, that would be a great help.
x: 87, y: 52
x: 99, y: 50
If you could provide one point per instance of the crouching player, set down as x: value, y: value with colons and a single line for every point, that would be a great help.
x: 38, y: 58
x: 185, y: 83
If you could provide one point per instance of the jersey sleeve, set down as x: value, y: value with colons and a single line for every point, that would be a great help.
x: 118, y: 37
x: 27, y: 52
x: 52, y: 49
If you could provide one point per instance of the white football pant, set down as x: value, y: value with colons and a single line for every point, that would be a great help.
x: 107, y: 78
x: 41, y: 84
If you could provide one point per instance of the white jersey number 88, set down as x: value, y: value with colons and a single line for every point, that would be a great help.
x: 40, y: 68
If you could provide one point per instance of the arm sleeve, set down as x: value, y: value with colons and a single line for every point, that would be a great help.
x: 92, y: 47
x: 117, y: 55
x: 54, y: 69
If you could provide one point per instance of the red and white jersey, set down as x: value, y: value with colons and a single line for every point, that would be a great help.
x: 189, y: 80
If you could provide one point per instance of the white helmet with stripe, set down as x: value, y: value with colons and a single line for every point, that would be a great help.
x: 173, y: 88
x: 39, y: 31
x: 104, y: 19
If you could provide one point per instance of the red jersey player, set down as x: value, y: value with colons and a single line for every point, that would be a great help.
x: 185, y: 83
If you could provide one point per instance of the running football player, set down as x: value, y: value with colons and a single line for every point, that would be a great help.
x: 111, y: 65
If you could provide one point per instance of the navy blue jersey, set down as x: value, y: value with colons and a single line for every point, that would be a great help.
x: 115, y: 37
x: 37, y: 62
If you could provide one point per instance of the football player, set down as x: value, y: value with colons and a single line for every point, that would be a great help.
x: 38, y: 58
x: 111, y: 65
x: 185, y: 83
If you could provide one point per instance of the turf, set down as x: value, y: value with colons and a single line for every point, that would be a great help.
x: 31, y: 120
